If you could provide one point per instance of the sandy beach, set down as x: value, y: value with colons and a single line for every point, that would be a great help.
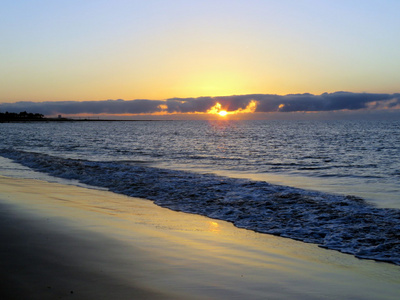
x: 60, y: 242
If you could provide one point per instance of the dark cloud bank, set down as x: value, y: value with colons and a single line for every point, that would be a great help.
x: 266, y: 103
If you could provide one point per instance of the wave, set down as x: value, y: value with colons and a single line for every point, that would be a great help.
x: 338, y: 222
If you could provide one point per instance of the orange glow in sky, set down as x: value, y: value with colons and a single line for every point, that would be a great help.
x: 217, y: 109
x: 72, y: 51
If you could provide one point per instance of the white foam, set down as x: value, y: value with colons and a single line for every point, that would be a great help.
x: 344, y: 223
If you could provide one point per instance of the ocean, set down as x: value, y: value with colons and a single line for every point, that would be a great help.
x: 332, y: 183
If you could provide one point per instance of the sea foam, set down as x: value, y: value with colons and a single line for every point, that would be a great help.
x: 339, y: 222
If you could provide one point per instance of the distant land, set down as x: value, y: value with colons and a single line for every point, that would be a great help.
x: 22, y: 116
x: 36, y: 117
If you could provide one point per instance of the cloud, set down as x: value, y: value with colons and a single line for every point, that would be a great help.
x: 86, y: 107
x: 265, y: 103
x: 190, y: 105
x: 325, y: 102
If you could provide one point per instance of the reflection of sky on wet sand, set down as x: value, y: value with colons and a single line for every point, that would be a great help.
x: 191, y: 253
x: 214, y: 227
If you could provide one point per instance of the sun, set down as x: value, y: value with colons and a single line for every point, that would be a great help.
x: 223, y: 113
x: 217, y: 109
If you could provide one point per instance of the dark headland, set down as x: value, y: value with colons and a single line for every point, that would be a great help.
x: 37, y: 117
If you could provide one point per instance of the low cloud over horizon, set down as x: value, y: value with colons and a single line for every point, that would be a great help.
x: 266, y: 103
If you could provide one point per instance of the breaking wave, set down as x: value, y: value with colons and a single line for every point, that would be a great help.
x: 344, y: 223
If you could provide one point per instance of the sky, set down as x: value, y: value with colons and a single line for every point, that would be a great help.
x: 68, y: 51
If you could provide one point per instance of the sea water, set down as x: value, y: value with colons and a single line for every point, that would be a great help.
x: 334, y: 183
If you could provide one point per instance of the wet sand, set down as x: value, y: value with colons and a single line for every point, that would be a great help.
x: 61, y: 242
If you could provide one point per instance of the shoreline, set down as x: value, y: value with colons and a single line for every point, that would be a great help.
x: 49, y: 120
x: 60, y: 239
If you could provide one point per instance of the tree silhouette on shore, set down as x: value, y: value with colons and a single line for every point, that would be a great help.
x: 22, y: 116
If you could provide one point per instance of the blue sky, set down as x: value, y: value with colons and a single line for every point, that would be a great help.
x: 98, y: 50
